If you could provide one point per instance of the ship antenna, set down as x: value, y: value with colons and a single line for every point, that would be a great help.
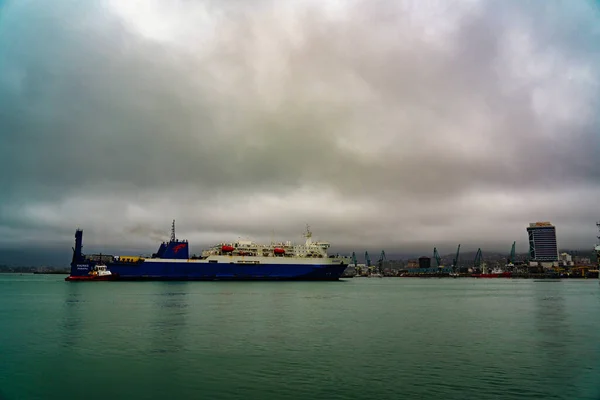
x: 173, y: 231
x: 308, y: 235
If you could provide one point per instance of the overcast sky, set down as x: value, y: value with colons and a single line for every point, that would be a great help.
x: 383, y: 124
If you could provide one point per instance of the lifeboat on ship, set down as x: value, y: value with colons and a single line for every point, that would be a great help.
x: 278, y: 250
x: 227, y: 249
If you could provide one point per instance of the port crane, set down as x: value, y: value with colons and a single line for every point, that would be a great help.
x: 455, y: 260
x: 382, y: 259
x: 355, y: 261
x: 370, y: 267
x: 368, y: 262
x: 510, y: 262
x: 477, y: 262
x: 437, y: 258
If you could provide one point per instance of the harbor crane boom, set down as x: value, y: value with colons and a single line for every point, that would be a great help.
x: 455, y: 261
x: 477, y: 262
x: 511, y: 259
x: 437, y: 258
x: 380, y: 262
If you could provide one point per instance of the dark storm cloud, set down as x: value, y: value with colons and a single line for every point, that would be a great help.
x: 396, y: 123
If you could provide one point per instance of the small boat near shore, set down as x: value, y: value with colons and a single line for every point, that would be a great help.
x: 495, y: 273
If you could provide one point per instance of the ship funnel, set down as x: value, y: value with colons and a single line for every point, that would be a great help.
x: 174, y: 249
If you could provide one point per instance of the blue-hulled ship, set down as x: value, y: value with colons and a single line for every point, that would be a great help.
x: 240, y: 260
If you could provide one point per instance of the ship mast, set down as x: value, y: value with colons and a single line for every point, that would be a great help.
x: 308, y: 235
x: 173, y: 231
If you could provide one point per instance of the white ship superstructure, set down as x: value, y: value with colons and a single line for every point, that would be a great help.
x: 281, y: 253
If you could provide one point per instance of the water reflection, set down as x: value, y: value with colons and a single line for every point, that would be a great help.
x: 220, y: 309
x: 275, y: 325
x: 554, y: 337
x: 166, y: 335
x: 170, y: 313
x: 72, y: 317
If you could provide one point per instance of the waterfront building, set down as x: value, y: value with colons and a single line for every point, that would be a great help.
x: 424, y: 262
x: 543, y: 247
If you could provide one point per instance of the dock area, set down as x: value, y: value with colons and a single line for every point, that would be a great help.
x: 579, y: 274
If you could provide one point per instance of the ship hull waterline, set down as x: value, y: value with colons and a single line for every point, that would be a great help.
x: 176, y: 271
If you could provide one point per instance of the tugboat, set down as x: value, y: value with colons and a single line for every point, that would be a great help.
x: 97, y: 273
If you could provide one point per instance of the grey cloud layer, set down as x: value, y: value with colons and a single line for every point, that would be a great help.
x: 390, y: 108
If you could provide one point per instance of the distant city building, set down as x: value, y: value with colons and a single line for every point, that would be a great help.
x: 542, y: 243
x: 582, y: 260
x: 393, y: 264
x: 566, y: 259
x: 424, y: 262
x: 412, y: 264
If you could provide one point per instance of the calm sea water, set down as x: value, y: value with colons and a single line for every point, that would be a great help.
x: 359, y: 339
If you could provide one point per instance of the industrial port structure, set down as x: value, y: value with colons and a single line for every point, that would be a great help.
x: 543, y: 259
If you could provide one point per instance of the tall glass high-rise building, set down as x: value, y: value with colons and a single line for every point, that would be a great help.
x: 542, y: 242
